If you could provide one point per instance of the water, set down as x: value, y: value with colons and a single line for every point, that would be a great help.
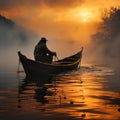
x: 91, y: 93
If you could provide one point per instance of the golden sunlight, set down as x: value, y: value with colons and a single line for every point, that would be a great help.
x: 86, y: 14
x: 84, y: 19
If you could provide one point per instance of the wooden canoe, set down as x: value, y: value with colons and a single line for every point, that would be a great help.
x: 37, y: 68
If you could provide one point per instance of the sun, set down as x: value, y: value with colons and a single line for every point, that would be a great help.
x: 85, y: 14
x: 84, y: 20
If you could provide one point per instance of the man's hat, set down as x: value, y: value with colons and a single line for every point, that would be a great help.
x: 43, y: 39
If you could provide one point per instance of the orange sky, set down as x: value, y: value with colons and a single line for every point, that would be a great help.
x: 56, y: 18
x: 71, y: 21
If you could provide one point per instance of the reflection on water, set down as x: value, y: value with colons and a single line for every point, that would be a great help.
x: 89, y: 93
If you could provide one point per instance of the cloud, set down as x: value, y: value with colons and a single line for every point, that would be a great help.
x: 9, y: 4
x: 64, y: 3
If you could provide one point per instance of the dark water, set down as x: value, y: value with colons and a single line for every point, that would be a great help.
x: 91, y: 93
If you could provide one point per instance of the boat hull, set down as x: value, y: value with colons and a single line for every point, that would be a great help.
x: 37, y: 68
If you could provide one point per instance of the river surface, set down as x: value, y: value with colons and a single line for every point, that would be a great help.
x: 91, y: 93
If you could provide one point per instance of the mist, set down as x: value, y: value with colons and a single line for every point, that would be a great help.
x: 12, y: 39
x: 9, y: 58
x: 106, y: 40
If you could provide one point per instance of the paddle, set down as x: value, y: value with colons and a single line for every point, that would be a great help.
x: 57, y: 57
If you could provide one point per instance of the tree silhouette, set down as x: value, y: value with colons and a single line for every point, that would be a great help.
x: 108, y: 32
x: 110, y: 25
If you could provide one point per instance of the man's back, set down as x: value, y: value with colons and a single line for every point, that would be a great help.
x: 42, y: 53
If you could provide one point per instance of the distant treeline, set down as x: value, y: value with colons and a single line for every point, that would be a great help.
x: 11, y: 33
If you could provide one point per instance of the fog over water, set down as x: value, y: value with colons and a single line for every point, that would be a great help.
x: 106, y: 40
x: 91, y: 54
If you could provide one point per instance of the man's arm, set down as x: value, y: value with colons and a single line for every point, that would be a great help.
x: 49, y: 51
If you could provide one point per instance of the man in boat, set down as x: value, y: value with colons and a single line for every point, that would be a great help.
x: 42, y: 53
